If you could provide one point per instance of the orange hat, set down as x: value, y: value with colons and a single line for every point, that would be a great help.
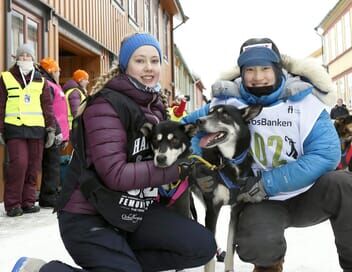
x: 79, y: 75
x: 49, y: 65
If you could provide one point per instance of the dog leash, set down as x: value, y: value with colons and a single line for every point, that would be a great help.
x: 202, y: 160
x: 229, y: 184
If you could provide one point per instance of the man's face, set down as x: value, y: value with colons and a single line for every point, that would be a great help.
x: 24, y: 57
x: 259, y: 76
x: 339, y: 102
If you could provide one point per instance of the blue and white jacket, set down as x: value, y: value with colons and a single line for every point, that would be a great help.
x: 305, y: 86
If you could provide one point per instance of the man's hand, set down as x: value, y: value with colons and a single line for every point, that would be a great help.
x: 252, y: 190
x: 58, y: 139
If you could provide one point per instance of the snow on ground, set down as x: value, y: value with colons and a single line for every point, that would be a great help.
x: 36, y: 235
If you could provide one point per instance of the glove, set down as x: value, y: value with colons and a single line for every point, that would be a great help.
x: 251, y: 190
x: 2, y: 141
x: 50, y: 137
x: 58, y: 139
x: 204, y: 177
x: 184, y: 167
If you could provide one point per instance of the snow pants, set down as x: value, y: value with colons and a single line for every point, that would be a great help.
x: 50, y: 177
x: 260, y: 230
x: 24, y: 164
x: 163, y: 241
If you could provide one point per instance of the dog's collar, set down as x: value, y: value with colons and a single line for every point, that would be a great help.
x: 240, y: 158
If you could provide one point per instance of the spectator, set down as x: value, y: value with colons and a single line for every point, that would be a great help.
x: 51, y: 158
x: 76, y: 91
x: 340, y: 110
x: 26, y: 117
x: 178, y: 108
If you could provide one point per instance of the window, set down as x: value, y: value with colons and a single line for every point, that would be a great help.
x: 147, y: 25
x: 132, y: 10
x: 165, y: 35
x: 347, y: 29
x: 332, y: 47
x: 349, y: 90
x: 25, y: 28
x: 155, y: 24
x: 326, y: 55
x: 339, y: 38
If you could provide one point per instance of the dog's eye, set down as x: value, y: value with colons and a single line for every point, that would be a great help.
x: 175, y: 141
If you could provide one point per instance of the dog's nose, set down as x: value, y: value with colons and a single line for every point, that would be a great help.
x: 161, y: 159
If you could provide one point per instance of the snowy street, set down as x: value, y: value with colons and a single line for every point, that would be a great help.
x: 37, y: 235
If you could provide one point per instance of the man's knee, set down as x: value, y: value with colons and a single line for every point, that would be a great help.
x: 261, y: 248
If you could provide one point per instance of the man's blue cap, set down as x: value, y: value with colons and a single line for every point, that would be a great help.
x: 258, y: 56
x: 132, y: 43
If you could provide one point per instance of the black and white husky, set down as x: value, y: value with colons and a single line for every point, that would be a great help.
x: 225, y: 145
x: 171, y: 141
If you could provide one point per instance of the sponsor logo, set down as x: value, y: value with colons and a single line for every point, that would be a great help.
x: 271, y: 123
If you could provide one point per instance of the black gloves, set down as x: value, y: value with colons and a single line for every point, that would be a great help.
x: 251, y: 190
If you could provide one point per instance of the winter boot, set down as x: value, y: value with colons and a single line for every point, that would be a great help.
x: 25, y: 264
x: 277, y: 267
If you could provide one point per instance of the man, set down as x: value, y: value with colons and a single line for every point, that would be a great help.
x: 339, y: 110
x: 290, y: 189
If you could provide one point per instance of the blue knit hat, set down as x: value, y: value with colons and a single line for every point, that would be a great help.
x: 132, y: 43
x: 258, y: 56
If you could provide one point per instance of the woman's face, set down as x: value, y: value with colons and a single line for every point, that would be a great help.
x: 259, y: 76
x: 144, y: 65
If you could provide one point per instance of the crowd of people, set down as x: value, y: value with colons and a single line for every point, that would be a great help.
x: 35, y: 117
x: 294, y: 145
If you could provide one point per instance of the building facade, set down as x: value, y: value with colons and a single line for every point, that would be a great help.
x: 186, y: 83
x: 85, y: 34
x: 336, y: 33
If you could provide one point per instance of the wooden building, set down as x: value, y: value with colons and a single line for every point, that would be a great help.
x: 335, y: 30
x: 86, y: 34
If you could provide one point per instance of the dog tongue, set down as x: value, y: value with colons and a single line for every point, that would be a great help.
x: 206, y: 139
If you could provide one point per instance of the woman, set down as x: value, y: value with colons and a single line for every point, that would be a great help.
x: 163, y: 240
x: 26, y: 118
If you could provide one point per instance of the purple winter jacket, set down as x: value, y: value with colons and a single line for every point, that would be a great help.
x: 106, y: 142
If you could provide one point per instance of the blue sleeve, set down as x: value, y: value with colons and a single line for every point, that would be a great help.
x: 192, y: 118
x: 321, y: 153
x: 195, y: 115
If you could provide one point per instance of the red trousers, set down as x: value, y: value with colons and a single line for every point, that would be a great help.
x: 24, y: 163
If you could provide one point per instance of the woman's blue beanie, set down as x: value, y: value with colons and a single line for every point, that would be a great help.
x: 132, y: 43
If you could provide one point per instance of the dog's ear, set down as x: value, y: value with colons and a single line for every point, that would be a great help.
x: 251, y: 111
x: 190, y: 129
x: 146, y: 129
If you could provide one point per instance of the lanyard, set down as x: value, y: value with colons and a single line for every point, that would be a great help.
x: 24, y: 79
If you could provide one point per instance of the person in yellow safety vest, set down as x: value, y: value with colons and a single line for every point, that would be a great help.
x: 26, y: 120
x: 178, y: 109
x: 75, y: 92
